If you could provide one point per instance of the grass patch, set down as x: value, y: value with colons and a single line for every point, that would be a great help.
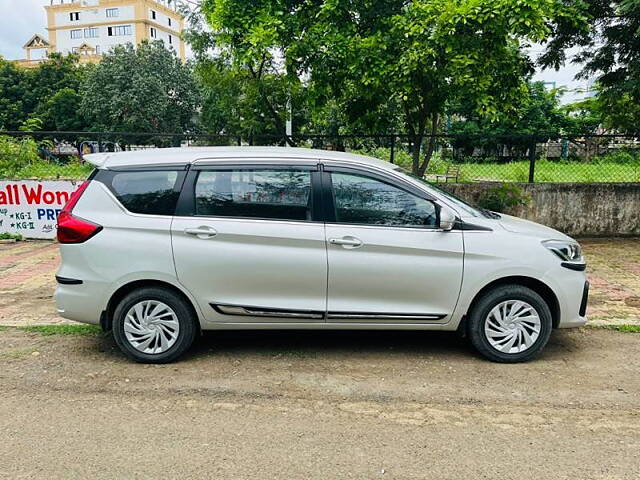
x: 11, y: 236
x: 620, y: 328
x: 548, y: 171
x: 600, y: 169
x: 64, y: 329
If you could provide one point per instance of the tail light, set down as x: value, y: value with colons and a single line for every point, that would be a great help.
x: 72, y: 229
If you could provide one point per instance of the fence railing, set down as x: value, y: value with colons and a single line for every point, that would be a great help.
x: 539, y: 157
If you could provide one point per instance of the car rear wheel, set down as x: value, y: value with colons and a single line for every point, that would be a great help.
x: 510, y: 324
x: 154, y: 325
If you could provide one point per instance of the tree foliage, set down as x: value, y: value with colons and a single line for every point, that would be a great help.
x: 609, y: 50
x: 24, y: 93
x: 248, y: 37
x: 141, y: 89
x: 414, y: 58
x: 537, y: 116
x: 13, y: 87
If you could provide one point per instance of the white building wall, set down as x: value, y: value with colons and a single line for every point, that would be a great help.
x: 163, y: 20
x: 95, y: 15
x: 66, y: 44
x: 164, y: 37
x: 103, y: 42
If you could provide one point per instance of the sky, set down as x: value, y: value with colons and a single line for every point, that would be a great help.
x: 23, y: 18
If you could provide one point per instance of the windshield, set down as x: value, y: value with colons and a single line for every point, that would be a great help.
x: 461, y: 204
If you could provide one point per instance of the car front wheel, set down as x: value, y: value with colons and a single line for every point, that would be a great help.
x: 510, y: 324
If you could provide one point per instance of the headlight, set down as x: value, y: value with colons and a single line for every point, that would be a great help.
x: 567, y: 251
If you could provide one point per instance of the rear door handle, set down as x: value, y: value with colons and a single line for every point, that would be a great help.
x: 346, y: 242
x: 203, y: 232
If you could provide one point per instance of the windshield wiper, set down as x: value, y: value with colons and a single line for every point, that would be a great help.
x: 490, y: 214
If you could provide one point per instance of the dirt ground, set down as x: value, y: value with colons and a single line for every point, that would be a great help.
x: 27, y: 282
x: 320, y: 405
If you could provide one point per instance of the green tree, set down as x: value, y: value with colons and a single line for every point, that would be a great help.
x: 537, y: 115
x: 233, y: 103
x: 609, y: 50
x: 584, y: 117
x: 431, y: 54
x: 141, y: 89
x: 24, y: 93
x: 415, y: 58
x: 62, y: 112
x: 248, y: 37
x: 13, y: 89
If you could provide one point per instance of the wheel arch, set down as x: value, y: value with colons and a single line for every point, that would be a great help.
x: 538, y: 286
x: 106, y: 318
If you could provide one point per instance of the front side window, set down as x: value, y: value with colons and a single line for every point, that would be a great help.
x: 113, y: 12
x: 76, y: 33
x: 363, y: 200
x: 280, y: 194
x: 74, y: 16
x: 154, y: 193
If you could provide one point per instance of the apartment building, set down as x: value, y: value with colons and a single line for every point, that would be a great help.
x: 92, y: 27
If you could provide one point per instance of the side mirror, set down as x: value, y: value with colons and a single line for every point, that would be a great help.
x: 447, y: 219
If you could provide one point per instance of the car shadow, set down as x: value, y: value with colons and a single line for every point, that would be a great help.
x: 312, y: 343
x: 345, y: 344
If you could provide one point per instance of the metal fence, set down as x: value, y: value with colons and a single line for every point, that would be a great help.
x: 541, y: 157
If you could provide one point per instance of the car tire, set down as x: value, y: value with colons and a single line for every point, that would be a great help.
x: 510, y: 324
x: 154, y: 325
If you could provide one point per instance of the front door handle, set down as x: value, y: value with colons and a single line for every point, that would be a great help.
x: 203, y: 232
x: 346, y: 242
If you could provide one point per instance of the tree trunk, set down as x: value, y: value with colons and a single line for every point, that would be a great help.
x: 431, y: 146
x: 415, y: 154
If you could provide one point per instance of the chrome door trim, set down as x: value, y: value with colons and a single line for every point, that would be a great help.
x: 250, y: 311
x: 385, y: 316
x: 253, y: 311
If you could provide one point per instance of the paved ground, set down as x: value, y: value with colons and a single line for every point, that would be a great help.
x: 320, y: 405
x: 27, y: 283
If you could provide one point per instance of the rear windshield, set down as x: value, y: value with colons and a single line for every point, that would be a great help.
x: 148, y: 192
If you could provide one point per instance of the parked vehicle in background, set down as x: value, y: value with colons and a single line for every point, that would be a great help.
x: 159, y: 245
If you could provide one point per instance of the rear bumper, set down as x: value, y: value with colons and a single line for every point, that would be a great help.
x: 78, y: 302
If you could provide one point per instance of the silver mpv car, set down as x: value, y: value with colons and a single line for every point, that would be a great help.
x: 160, y: 245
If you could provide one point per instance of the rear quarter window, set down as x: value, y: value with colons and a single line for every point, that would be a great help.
x: 147, y: 192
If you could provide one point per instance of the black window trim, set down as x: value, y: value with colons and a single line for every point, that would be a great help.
x: 146, y: 168
x: 328, y: 196
x: 378, y: 175
x: 187, y: 201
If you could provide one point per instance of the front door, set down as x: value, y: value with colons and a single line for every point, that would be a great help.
x: 247, y: 244
x: 388, y: 262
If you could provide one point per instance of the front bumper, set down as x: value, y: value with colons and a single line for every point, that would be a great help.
x: 575, y: 313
